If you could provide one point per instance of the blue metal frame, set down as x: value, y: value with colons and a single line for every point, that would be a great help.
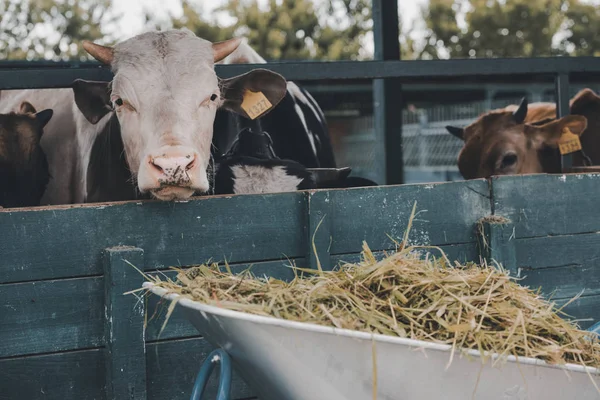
x: 220, y: 357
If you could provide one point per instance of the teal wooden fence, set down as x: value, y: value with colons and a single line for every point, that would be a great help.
x: 67, y: 332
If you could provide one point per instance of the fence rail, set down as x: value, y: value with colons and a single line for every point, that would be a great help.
x: 46, y: 74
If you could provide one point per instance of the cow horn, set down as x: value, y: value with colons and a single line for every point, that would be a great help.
x: 455, y: 131
x: 104, y: 54
x: 225, y: 48
x: 521, y: 112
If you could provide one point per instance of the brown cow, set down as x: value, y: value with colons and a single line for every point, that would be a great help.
x: 23, y: 165
x: 524, y: 139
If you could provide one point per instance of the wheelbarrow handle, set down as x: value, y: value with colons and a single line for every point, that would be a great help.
x: 220, y: 357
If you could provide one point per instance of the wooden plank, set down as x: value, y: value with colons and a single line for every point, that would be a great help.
x: 548, y: 205
x: 496, y: 242
x: 75, y: 375
x: 173, y: 366
x: 178, y: 325
x: 458, y: 252
x: 124, y: 325
x: 447, y: 213
x: 51, y: 316
x: 563, y: 282
x: 564, y: 264
x: 586, y: 307
x: 318, y: 229
x: 240, y: 228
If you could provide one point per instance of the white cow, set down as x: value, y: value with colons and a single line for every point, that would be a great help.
x: 165, y: 94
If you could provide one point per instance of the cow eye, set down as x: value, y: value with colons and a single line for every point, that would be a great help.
x: 508, y: 160
x: 213, y: 97
x: 119, y: 101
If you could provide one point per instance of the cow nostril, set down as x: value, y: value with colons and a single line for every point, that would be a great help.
x: 155, y: 166
x: 191, y: 163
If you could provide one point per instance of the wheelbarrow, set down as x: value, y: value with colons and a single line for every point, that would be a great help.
x: 282, y: 359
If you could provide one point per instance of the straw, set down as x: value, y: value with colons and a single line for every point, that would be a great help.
x: 408, y: 294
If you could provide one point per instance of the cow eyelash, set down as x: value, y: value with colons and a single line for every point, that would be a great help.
x: 119, y: 102
x: 213, y: 97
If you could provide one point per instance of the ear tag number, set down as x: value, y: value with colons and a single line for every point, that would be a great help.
x: 255, y: 104
x: 568, y: 142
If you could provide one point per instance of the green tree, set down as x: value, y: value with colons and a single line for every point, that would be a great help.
x: 494, y: 28
x: 583, y: 23
x: 50, y: 29
x: 289, y: 29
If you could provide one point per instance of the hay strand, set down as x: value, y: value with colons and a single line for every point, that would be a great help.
x: 406, y: 294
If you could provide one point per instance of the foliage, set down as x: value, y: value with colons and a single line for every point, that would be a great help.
x: 509, y: 28
x: 289, y: 29
x: 323, y: 30
x: 50, y: 29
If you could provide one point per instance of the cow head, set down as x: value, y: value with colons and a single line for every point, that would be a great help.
x: 23, y: 166
x: 165, y: 94
x: 503, y: 142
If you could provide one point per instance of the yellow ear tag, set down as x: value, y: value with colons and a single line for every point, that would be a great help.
x: 255, y: 104
x: 568, y: 142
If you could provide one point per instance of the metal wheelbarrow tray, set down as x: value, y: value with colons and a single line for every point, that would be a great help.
x: 284, y: 360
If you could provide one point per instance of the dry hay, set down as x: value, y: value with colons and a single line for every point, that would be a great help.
x: 406, y: 294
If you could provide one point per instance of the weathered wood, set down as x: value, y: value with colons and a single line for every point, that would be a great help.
x: 320, y: 217
x: 172, y: 369
x: 51, y: 316
x: 496, y: 242
x: 447, y: 213
x: 564, y: 264
x: 124, y: 325
x: 75, y: 375
x: 543, y: 205
x: 563, y: 282
x: 67, y: 241
x: 460, y: 252
x: 586, y: 307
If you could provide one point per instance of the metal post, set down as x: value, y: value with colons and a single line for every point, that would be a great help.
x: 387, y: 95
x: 561, y: 95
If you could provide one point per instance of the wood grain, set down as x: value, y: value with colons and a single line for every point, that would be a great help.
x: 75, y: 375
x: 172, y: 369
x: 51, y: 316
x: 446, y: 214
x: 124, y: 326
x: 59, y: 242
x: 548, y: 205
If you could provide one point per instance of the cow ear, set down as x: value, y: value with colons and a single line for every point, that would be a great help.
x: 455, y: 131
x: 254, y: 93
x: 27, y: 108
x: 92, y: 99
x: 44, y: 116
x: 549, y: 134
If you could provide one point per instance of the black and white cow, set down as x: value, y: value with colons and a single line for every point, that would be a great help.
x: 251, y: 167
x: 153, y: 130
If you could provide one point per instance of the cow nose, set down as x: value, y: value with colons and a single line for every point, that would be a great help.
x: 168, y: 165
x: 172, y: 169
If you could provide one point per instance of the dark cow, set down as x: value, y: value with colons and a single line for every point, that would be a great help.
x: 251, y: 166
x: 524, y: 139
x: 23, y: 166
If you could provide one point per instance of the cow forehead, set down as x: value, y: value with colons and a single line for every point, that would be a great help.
x: 18, y: 137
x: 171, y: 60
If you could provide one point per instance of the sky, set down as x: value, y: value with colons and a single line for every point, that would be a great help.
x: 132, y: 11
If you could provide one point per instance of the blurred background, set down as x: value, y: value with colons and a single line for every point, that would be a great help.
x: 328, y: 30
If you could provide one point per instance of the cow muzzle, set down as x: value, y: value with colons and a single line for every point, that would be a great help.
x: 172, y: 173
